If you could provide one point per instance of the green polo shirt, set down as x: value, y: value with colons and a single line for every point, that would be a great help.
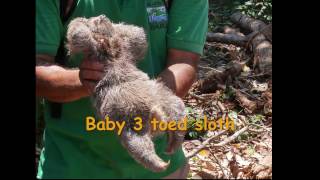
x: 69, y: 150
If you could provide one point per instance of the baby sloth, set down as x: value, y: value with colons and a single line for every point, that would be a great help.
x: 125, y: 92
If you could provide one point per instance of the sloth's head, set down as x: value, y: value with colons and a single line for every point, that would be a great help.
x: 107, y: 41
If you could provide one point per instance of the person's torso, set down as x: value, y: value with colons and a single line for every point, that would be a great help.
x: 70, y: 150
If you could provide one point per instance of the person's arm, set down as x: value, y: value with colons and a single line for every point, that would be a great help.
x: 53, y: 82
x: 181, y: 71
x: 59, y: 84
x: 186, y: 35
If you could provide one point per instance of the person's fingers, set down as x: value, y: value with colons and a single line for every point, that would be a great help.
x: 92, y: 64
x: 90, y: 85
x: 91, y: 74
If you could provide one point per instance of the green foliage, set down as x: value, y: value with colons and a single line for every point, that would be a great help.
x: 219, y: 13
x: 258, y: 9
x: 191, y: 124
x: 256, y: 118
x: 244, y: 136
x: 228, y: 94
x: 250, y: 150
x: 192, y: 133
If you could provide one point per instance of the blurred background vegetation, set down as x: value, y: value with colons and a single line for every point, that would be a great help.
x: 220, y: 11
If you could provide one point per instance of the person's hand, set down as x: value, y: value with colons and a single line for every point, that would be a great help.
x: 91, y: 72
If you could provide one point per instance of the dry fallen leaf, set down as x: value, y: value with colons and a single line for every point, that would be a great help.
x: 266, y: 161
x: 234, y: 168
x: 257, y: 156
x: 203, y: 155
x: 263, y: 168
x: 264, y: 174
x: 210, y: 166
x: 259, y: 87
x: 196, y: 176
x: 245, y: 68
x: 229, y: 156
x: 241, y: 161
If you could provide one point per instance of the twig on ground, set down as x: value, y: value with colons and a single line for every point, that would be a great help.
x: 253, y: 97
x: 207, y: 141
x: 264, y: 128
x: 197, y: 96
x: 204, y: 144
x: 231, y: 138
x: 210, y: 68
x: 220, y: 165
x: 221, y: 107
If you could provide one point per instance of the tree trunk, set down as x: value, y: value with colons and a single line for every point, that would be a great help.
x: 227, y: 38
x: 262, y: 50
x: 247, y: 22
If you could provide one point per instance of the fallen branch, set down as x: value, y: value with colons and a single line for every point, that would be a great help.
x: 239, y: 40
x: 209, y: 68
x: 204, y: 144
x: 256, y: 75
x: 231, y: 138
x: 252, y: 25
x: 227, y: 38
x: 230, y: 30
x: 221, y: 107
x: 197, y: 96
x: 263, y: 128
x: 251, y: 96
x: 247, y: 22
x: 266, y: 31
x: 259, y: 38
x: 262, y: 48
x: 248, y: 105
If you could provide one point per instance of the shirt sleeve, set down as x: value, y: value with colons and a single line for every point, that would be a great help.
x: 49, y: 27
x: 188, y: 25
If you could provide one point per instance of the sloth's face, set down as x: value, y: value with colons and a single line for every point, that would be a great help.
x: 98, y: 36
x: 100, y: 25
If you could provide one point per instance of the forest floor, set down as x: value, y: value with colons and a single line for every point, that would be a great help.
x: 250, y: 154
x: 246, y: 99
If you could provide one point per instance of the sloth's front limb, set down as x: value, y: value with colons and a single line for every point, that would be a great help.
x: 175, y: 140
x: 174, y: 112
x: 141, y: 148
